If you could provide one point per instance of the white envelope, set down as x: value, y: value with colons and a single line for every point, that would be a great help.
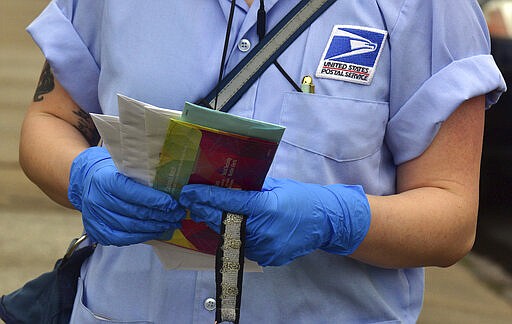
x: 157, y: 123
x: 175, y: 257
x: 134, y: 147
x: 109, y: 129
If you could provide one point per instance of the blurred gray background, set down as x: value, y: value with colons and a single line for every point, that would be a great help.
x: 34, y: 231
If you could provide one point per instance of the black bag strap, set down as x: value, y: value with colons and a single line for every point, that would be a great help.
x: 234, y: 85
x: 48, y: 298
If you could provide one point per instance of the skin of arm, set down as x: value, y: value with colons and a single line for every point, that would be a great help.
x: 54, y: 131
x: 432, y: 220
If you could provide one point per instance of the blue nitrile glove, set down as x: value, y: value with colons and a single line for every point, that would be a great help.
x: 116, y: 210
x: 287, y: 219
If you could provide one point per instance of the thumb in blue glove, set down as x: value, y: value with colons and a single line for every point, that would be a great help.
x: 116, y: 210
x: 287, y: 219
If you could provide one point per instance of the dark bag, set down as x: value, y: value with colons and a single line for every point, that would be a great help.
x: 49, y: 298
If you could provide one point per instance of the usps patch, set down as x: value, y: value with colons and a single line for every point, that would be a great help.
x: 352, y: 54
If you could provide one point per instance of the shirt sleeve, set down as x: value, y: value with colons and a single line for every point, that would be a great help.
x: 440, y: 57
x: 69, y: 49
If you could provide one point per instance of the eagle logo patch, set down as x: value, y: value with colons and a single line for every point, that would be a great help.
x: 352, y: 54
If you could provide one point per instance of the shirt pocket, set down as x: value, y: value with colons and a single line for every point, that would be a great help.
x: 82, y: 314
x: 341, y: 129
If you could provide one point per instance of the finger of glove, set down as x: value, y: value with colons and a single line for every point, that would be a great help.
x: 264, y: 244
x: 265, y: 257
x: 272, y: 255
x: 209, y: 215
x: 158, y: 204
x: 257, y: 248
x: 120, y: 222
x: 168, y: 234
x: 120, y: 238
x: 82, y: 164
x: 262, y: 258
x: 121, y: 200
x: 235, y: 201
x: 271, y: 183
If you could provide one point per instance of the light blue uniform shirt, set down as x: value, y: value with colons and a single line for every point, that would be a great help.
x: 434, y: 57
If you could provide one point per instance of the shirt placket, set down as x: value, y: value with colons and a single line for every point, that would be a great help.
x: 204, y: 301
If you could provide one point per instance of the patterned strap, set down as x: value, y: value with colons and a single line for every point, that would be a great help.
x: 230, y: 268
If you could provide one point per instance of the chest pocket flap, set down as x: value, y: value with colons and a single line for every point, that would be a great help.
x: 338, y: 128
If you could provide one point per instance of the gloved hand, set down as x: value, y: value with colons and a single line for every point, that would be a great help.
x: 287, y: 219
x: 116, y: 210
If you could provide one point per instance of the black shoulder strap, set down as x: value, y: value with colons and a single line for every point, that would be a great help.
x: 234, y: 85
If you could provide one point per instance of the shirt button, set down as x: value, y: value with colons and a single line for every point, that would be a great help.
x: 210, y: 304
x: 244, y: 45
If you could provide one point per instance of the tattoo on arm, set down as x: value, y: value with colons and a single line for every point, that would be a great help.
x: 83, y: 122
x: 85, y: 125
x: 46, y: 83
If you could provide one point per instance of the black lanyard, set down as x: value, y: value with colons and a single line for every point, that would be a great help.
x: 261, y: 29
x: 225, y: 50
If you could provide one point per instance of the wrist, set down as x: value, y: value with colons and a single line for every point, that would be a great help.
x: 80, y: 168
x: 348, y: 215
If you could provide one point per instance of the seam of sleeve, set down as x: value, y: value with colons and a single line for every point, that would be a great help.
x: 437, y: 99
x: 70, y: 59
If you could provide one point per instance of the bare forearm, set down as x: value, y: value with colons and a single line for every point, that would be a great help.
x: 55, y: 130
x: 421, y: 227
x: 432, y: 220
x: 47, y: 148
